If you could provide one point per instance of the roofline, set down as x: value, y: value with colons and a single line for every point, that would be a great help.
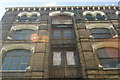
x: 61, y: 7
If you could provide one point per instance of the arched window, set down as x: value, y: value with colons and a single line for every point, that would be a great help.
x: 109, y: 57
x: 16, y: 59
x: 23, y: 34
x: 22, y: 18
x: 62, y: 19
x: 89, y: 17
x: 100, y: 17
x: 59, y: 17
x: 94, y: 15
x: 28, y: 16
x: 34, y: 18
x: 100, y: 33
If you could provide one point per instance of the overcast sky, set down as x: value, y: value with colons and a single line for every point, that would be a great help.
x: 41, y: 3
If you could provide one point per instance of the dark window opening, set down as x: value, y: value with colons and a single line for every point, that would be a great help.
x: 89, y: 17
x: 109, y: 57
x: 100, y: 33
x: 23, y: 34
x: 100, y: 17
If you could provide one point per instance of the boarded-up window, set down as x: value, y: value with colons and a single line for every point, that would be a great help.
x: 109, y: 57
x: 56, y: 58
x: 70, y: 58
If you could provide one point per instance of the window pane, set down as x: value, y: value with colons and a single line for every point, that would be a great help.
x: 14, y: 66
x: 56, y: 58
x: 89, y: 17
x: 16, y: 59
x: 67, y: 34
x: 24, y: 59
x: 100, y: 17
x: 110, y: 63
x: 108, y: 52
x: 101, y: 35
x: 62, y: 19
x: 100, y: 30
x: 7, y: 59
x: 56, y: 34
x: 23, y: 66
x: 5, y: 66
x: 23, y: 34
x: 70, y: 58
x: 23, y: 18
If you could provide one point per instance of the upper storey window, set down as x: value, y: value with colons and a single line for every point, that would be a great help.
x: 59, y: 17
x: 94, y: 15
x: 28, y: 16
x: 22, y: 32
x: 23, y: 18
x: 89, y: 17
x: 100, y: 17
x: 102, y: 31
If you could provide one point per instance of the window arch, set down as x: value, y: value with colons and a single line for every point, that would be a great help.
x: 22, y: 32
x: 88, y: 15
x: 94, y: 15
x: 118, y: 13
x: 59, y: 17
x: 108, y: 54
x: 101, y: 31
x: 23, y: 16
x: 28, y: 16
x: 16, y: 57
x: 55, y: 13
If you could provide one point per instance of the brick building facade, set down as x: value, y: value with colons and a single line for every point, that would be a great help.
x: 60, y: 42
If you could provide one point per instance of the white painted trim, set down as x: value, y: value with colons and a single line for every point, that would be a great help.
x: 117, y: 12
x: 18, y: 46
x: 98, y: 25
x: 59, y: 12
x: 19, y: 27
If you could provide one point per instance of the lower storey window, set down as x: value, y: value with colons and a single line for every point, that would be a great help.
x: 63, y: 58
x: 109, y: 57
x: 16, y: 59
